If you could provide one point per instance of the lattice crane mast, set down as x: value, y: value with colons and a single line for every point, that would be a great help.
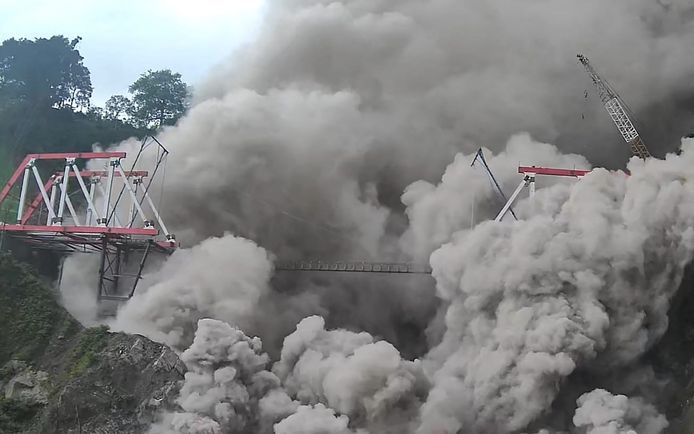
x: 615, y: 108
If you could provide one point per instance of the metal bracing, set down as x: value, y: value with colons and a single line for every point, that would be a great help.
x: 123, y: 248
x: 169, y: 235
x: 63, y: 195
x: 92, y: 188
x: 133, y: 196
x: 87, y: 195
x: 480, y: 156
x: 116, y: 219
x: 44, y: 195
x: 59, y: 186
x: 51, y: 206
x: 527, y: 180
x: 70, y: 207
x: 23, y: 193
x: 109, y: 188
x: 529, y: 173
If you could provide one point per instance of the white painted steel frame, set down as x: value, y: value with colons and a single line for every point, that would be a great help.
x: 528, y: 181
x: 60, y: 192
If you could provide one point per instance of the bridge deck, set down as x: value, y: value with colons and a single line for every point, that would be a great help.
x: 355, y: 267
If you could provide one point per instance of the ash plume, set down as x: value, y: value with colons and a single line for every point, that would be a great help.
x: 352, y: 374
x: 584, y: 283
x: 346, y: 131
x: 226, y: 385
x: 187, y: 288
x: 601, y: 412
x: 315, y: 420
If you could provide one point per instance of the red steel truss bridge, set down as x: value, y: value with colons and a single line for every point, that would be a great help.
x: 109, y: 212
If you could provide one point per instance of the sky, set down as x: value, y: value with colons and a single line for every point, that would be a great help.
x: 123, y: 38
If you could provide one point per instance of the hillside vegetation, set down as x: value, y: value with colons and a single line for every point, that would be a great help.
x: 57, y: 377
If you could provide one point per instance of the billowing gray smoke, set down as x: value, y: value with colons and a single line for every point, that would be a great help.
x: 227, y: 388
x: 601, y: 412
x: 582, y: 281
x: 328, y: 138
x: 306, y: 140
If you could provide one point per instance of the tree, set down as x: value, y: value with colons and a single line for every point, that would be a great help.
x: 159, y: 98
x: 118, y: 107
x: 95, y: 113
x: 44, y: 73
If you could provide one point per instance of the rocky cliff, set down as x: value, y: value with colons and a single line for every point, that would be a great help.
x: 58, y: 377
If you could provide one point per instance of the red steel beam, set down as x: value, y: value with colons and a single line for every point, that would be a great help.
x: 90, y: 230
x: 83, y: 155
x: 102, y: 173
x: 574, y: 173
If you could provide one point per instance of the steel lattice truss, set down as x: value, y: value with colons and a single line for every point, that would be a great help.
x: 615, y: 108
x: 64, y: 217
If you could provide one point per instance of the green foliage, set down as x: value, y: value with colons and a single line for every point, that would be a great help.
x: 6, y: 170
x: 117, y: 108
x: 16, y: 414
x: 28, y: 312
x: 159, y: 98
x: 44, y: 73
x: 43, y: 84
x: 92, y: 341
x: 25, y: 130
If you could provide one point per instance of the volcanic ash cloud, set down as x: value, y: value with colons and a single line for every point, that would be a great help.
x: 584, y: 281
x: 227, y: 388
x: 221, y: 278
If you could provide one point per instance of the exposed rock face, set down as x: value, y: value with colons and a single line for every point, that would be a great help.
x: 119, y: 391
x: 132, y: 378
x: 26, y: 384
x: 57, y: 377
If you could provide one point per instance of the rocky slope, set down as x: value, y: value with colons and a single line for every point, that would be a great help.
x: 58, y: 377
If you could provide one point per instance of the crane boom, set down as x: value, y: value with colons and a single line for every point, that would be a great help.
x: 615, y: 108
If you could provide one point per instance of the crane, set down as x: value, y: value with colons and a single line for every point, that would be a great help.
x: 615, y: 107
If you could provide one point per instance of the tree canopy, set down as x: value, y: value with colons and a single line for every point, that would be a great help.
x: 117, y: 107
x: 159, y: 98
x: 44, y: 73
x: 45, y: 92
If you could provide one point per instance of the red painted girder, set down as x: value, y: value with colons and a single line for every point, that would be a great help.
x: 102, y: 173
x: 575, y: 173
x: 92, y: 230
x: 84, y: 155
